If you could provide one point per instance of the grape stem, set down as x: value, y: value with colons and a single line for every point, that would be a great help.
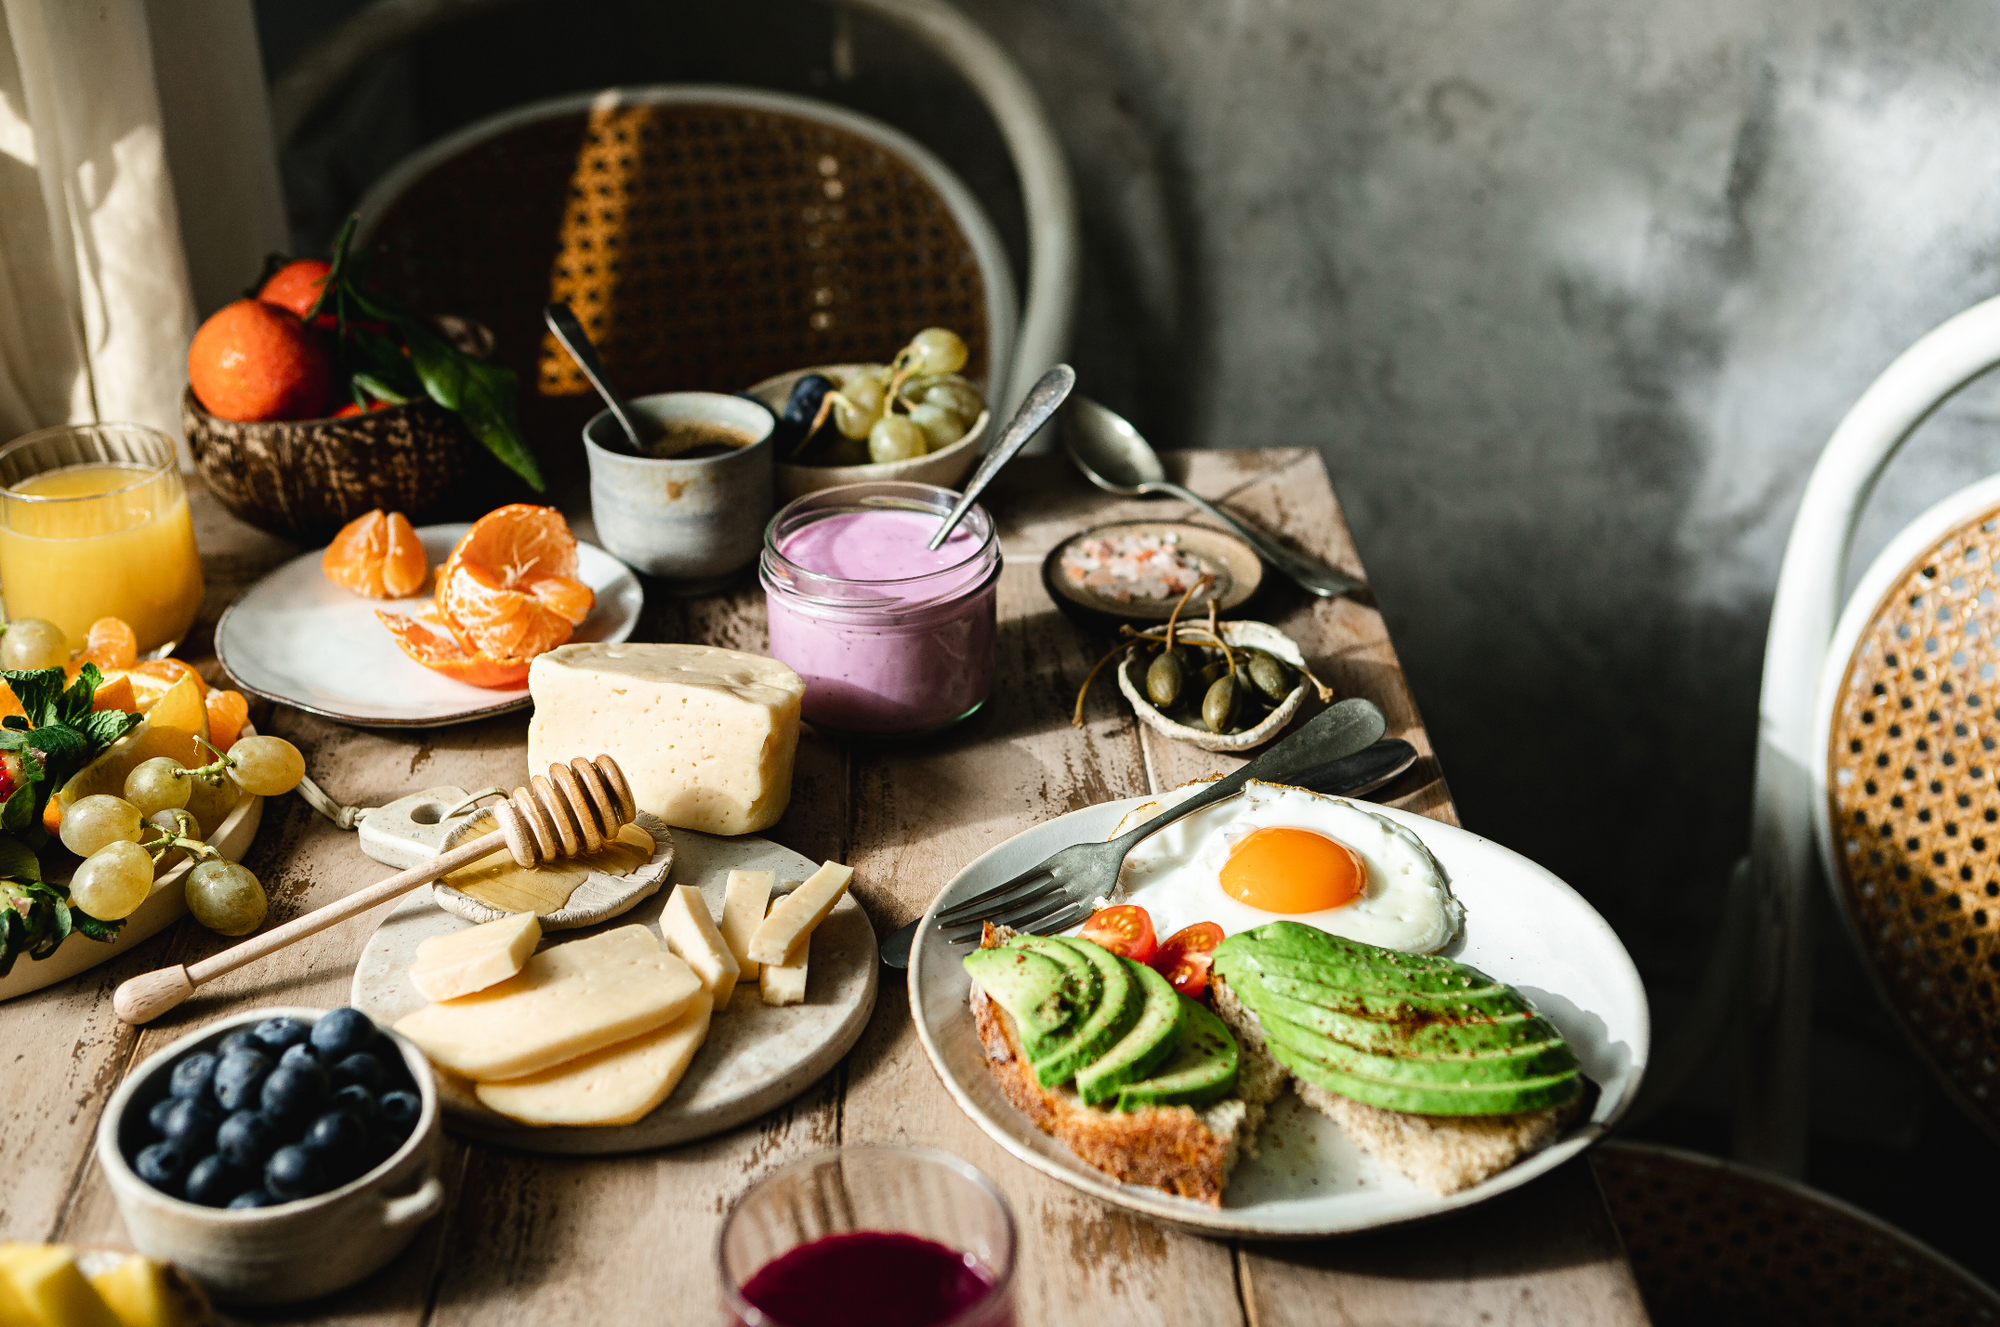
x: 168, y: 841
x: 212, y: 771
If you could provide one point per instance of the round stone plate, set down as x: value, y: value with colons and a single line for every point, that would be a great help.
x: 1238, y: 572
x: 756, y: 1057
x: 604, y: 884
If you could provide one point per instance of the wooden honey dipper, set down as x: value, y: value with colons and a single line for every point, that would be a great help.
x: 572, y: 810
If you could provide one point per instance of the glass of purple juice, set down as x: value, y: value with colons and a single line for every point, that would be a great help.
x: 870, y: 1237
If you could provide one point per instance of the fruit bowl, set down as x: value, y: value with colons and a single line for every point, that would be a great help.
x: 945, y: 468
x: 306, y: 478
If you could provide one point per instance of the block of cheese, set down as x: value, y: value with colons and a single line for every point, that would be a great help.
x: 746, y: 899
x: 690, y: 933
x: 448, y: 966
x: 705, y: 736
x: 566, y: 1001
x: 794, y: 916
x: 785, y: 983
x: 49, y: 1290
x: 616, y: 1085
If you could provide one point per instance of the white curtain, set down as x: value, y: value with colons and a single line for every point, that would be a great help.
x: 138, y: 189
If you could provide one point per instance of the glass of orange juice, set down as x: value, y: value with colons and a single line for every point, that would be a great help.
x: 94, y: 523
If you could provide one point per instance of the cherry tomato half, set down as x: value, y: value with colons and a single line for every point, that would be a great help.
x: 1126, y: 930
x: 1185, y: 956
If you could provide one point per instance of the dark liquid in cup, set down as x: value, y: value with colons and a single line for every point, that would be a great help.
x: 693, y: 439
x: 872, y: 1278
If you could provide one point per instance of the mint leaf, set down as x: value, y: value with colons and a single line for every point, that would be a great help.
x: 16, y: 814
x: 64, y: 751
x: 40, y: 694
x: 16, y: 861
x: 104, y: 727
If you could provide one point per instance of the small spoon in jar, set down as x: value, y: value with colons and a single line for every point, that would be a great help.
x: 1042, y: 401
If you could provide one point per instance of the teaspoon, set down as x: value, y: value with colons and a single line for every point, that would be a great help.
x: 569, y: 330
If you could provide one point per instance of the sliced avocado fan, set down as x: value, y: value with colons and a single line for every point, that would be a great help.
x: 1406, y: 1032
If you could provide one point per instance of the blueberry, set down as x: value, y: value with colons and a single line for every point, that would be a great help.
x: 342, y: 1032
x: 238, y: 1078
x: 161, y: 1165
x: 340, y: 1140
x: 276, y: 1035
x: 252, y: 1198
x: 399, y: 1113
x: 294, y: 1092
x: 212, y: 1182
x: 239, y: 1040
x: 300, y: 1054
x: 292, y: 1172
x: 357, y: 1099
x: 190, y: 1125
x: 364, y: 1069
x: 247, y: 1139
x: 157, y: 1116
x: 192, y: 1075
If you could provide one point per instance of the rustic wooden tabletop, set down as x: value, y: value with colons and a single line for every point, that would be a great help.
x: 553, y: 1240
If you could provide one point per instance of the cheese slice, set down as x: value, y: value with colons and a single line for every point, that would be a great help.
x: 566, y: 1001
x: 794, y: 916
x: 785, y: 983
x: 617, y: 1085
x: 746, y: 900
x: 690, y: 933
x: 448, y: 966
x: 705, y: 736
x: 48, y: 1290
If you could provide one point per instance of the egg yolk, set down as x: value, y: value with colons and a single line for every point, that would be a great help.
x: 1276, y: 869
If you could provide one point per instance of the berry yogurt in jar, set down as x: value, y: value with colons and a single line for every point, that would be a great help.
x: 891, y: 638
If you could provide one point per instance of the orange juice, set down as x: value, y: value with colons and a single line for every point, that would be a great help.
x: 102, y: 539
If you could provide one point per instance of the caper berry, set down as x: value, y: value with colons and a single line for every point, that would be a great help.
x: 1218, y: 706
x: 1269, y: 675
x: 1210, y: 671
x: 1165, y: 677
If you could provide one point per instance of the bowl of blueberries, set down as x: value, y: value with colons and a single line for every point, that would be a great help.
x: 276, y: 1155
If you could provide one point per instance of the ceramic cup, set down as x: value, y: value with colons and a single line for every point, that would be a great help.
x: 692, y: 522
x: 291, y: 1251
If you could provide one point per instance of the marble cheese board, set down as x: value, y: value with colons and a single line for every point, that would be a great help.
x: 756, y: 1058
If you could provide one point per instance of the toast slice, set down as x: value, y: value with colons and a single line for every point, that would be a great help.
x: 1443, y: 1153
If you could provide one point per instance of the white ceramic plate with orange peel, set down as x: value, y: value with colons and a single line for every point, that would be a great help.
x: 297, y: 638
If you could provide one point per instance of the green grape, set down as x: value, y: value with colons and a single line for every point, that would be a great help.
x: 895, y: 438
x: 174, y: 822
x: 857, y: 405
x: 942, y: 427
x: 952, y: 392
x: 212, y: 798
x: 226, y: 898
x: 98, y: 820
x: 31, y: 643
x: 266, y: 766
x: 937, y: 350
x: 113, y: 881
x: 159, y: 784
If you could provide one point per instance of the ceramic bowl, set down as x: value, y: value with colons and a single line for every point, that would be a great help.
x: 290, y: 1251
x: 1258, y: 635
x: 945, y: 468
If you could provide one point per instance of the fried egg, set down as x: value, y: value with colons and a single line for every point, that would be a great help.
x: 1276, y: 852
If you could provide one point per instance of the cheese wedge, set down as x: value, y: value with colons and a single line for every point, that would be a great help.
x: 566, y: 1001
x: 448, y: 966
x: 794, y: 916
x: 747, y: 899
x: 705, y: 736
x: 690, y: 934
x: 785, y: 983
x: 49, y: 1290
x: 617, y: 1085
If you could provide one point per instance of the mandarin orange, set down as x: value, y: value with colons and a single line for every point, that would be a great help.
x: 228, y: 711
x: 296, y: 285
x: 509, y: 590
x: 111, y: 644
x: 253, y: 361
x: 432, y: 643
x: 378, y: 555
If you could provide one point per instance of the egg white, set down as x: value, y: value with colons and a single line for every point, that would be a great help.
x: 1175, y: 875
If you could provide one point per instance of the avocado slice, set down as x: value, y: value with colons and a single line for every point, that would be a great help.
x: 1039, y: 992
x: 1404, y: 1036
x: 1473, y: 1064
x: 1200, y: 1069
x: 1056, y: 1059
x: 1434, y: 1099
x: 1150, y: 1040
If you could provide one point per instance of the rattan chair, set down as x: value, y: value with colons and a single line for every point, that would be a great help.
x: 710, y: 237
x: 1721, y: 1245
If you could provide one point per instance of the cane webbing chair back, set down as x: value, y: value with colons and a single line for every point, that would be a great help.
x: 1720, y: 1245
x: 706, y: 237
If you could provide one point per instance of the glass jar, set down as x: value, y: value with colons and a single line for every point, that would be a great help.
x: 891, y: 639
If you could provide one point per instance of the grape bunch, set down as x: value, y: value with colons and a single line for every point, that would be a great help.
x: 279, y: 1111
x: 915, y: 404
x: 123, y: 840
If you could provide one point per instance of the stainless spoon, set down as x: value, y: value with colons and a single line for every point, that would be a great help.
x: 1043, y: 399
x: 569, y: 331
x: 1114, y: 457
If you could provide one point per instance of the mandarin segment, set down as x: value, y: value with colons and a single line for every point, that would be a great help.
x: 377, y: 555
x: 510, y: 588
x: 431, y: 643
x: 111, y: 644
x: 228, y: 711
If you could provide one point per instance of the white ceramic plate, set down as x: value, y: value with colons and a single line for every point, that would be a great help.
x: 1523, y: 926
x: 297, y: 638
x: 756, y: 1057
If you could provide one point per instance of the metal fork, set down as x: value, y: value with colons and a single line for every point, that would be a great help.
x: 1062, y: 890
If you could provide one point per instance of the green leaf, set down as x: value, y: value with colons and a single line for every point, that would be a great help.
x: 40, y: 694
x: 104, y: 727
x: 17, y: 861
x: 13, y: 937
x: 91, y: 928
x: 379, y: 390
x: 482, y: 394
x: 16, y: 814
x: 64, y: 751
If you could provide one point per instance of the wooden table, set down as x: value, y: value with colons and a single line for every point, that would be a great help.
x: 551, y: 1241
